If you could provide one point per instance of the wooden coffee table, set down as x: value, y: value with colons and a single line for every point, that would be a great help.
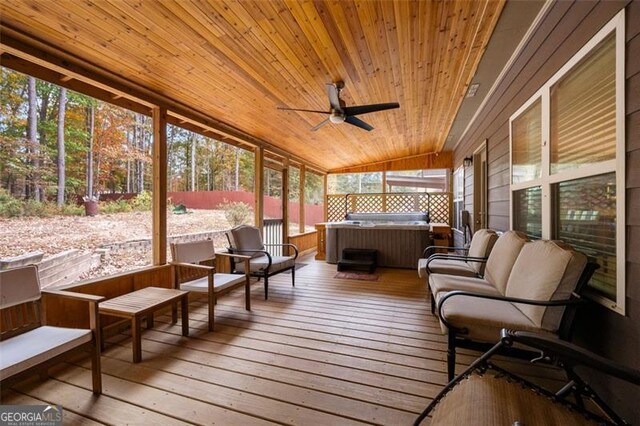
x: 143, y: 303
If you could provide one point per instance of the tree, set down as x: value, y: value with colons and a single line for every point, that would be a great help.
x: 90, y: 131
x: 62, y: 102
x: 32, y: 136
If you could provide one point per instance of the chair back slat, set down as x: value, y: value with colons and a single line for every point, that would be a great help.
x: 197, y: 252
x: 20, y: 307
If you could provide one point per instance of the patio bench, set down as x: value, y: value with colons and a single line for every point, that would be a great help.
x: 541, y: 294
x: 27, y: 342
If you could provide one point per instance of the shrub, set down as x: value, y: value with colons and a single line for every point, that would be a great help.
x: 10, y: 207
x: 236, y: 212
x: 142, y: 201
x: 119, y: 206
x: 72, y: 209
x: 36, y: 208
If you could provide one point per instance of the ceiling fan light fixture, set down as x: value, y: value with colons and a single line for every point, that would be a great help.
x: 336, y: 117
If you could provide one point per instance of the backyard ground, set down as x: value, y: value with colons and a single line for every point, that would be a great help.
x: 52, y: 235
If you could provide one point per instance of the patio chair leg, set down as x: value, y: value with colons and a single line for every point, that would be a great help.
x: 96, y: 369
x: 266, y: 287
x: 451, y: 355
x: 212, y: 304
x: 293, y: 275
x: 433, y: 304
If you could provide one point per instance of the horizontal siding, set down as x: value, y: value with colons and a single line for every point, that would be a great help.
x: 566, y: 27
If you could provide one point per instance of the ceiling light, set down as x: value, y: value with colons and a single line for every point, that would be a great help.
x: 472, y: 90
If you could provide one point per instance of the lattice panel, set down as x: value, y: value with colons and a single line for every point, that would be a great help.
x: 366, y: 203
x: 402, y: 203
x: 335, y: 208
x: 439, y: 208
x: 423, y: 202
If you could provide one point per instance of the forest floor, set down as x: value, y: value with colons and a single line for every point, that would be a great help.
x: 52, y: 235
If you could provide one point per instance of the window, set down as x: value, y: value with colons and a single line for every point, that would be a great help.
x: 567, y: 160
x: 433, y: 180
x: 458, y: 197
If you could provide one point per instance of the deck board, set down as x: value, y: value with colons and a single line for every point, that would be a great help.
x: 327, y: 351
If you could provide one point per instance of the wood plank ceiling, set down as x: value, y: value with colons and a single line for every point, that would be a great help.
x: 238, y: 61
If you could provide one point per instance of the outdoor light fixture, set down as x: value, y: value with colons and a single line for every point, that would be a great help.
x: 468, y: 161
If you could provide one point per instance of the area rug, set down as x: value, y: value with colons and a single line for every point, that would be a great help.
x: 362, y: 276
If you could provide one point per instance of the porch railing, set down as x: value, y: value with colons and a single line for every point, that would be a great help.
x: 438, y: 204
x: 272, y: 234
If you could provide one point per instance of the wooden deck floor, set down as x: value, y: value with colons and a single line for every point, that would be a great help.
x: 327, y: 352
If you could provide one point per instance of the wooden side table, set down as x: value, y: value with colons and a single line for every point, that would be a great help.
x: 143, y: 303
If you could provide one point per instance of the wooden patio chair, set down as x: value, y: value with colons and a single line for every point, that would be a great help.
x: 27, y: 343
x: 195, y: 271
x: 247, y: 240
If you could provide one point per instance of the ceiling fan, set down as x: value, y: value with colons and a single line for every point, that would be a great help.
x: 340, y: 113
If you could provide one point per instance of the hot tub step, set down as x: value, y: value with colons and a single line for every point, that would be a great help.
x: 360, y: 259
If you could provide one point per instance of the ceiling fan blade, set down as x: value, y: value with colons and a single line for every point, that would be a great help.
x: 365, y: 109
x: 334, y: 99
x: 359, y: 123
x: 304, y: 110
x: 313, y: 129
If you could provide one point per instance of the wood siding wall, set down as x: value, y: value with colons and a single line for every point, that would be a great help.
x: 566, y: 27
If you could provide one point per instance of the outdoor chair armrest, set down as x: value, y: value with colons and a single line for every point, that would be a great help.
x: 295, y: 249
x: 92, y: 301
x: 236, y: 256
x: 454, y: 257
x: 424, y: 252
x: 574, y: 300
x: 74, y: 295
x: 193, y: 266
x: 568, y: 353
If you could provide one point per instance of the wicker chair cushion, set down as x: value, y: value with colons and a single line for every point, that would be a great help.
x: 490, y: 400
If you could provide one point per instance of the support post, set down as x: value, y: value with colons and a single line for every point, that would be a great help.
x: 303, y: 173
x: 326, y: 197
x: 159, y: 197
x: 285, y: 204
x: 258, y: 189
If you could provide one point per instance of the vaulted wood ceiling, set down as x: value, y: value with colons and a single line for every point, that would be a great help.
x: 238, y: 61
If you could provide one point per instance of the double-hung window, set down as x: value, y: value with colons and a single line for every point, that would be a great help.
x: 567, y: 160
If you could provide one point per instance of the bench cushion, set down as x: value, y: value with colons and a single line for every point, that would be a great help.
x: 193, y: 251
x: 503, y: 256
x: 484, y: 318
x: 29, y: 349
x: 441, y: 283
x: 220, y: 282
x: 446, y: 266
x: 536, y: 275
x: 18, y: 286
x: 481, y: 245
x: 278, y: 263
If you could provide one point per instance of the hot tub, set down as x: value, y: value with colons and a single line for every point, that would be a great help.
x: 399, y: 238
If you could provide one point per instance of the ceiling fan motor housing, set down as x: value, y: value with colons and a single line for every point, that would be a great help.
x: 337, y: 117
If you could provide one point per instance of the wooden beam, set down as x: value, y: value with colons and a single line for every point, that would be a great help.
x: 159, y: 197
x: 436, y: 160
x: 258, y: 187
x: 303, y: 173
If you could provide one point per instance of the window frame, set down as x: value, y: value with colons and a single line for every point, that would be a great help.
x: 547, y: 180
